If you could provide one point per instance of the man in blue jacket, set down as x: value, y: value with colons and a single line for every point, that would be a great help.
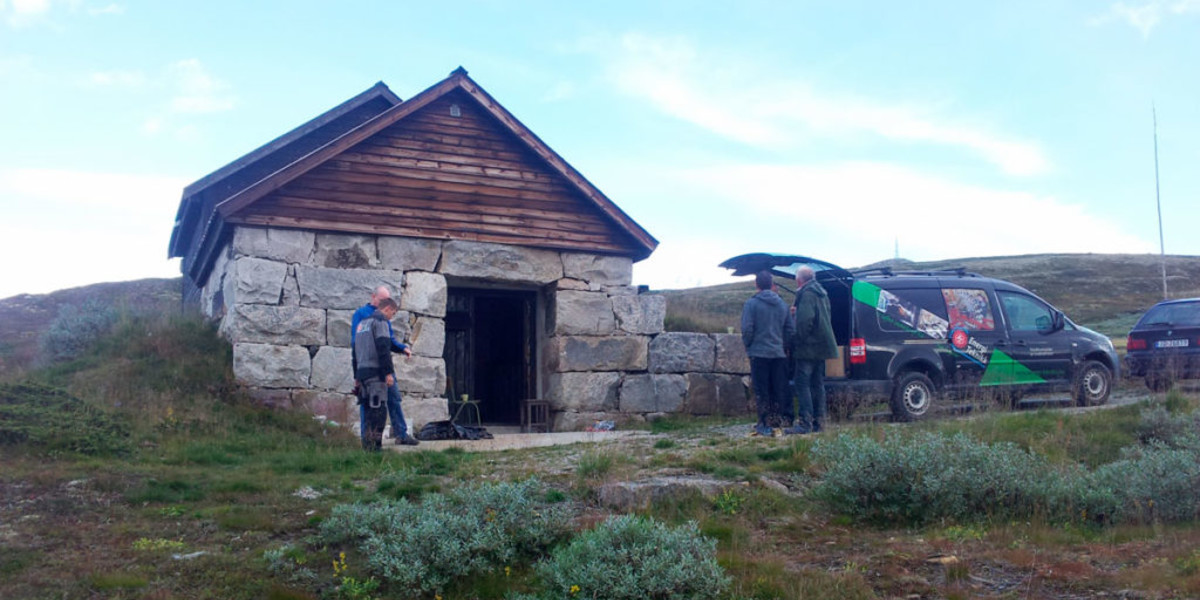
x: 399, y: 426
x: 766, y: 331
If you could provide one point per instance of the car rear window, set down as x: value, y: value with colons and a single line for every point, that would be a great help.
x: 911, y: 309
x: 1176, y: 313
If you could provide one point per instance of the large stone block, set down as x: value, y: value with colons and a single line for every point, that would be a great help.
x: 583, y: 313
x: 337, y: 327
x: 422, y: 410
x: 421, y: 374
x: 286, y: 245
x: 331, y: 370
x: 269, y: 365
x: 343, y: 288
x: 291, y: 289
x: 642, y: 314
x: 714, y: 394
x: 571, y: 353
x: 578, y: 421
x: 212, y: 296
x: 428, y: 337
x: 280, y: 325
x: 678, y: 352
x: 598, y: 270
x: 408, y: 254
x: 731, y: 354
x: 652, y: 393
x: 340, y: 408
x: 342, y: 251
x: 424, y: 293
x: 258, y: 280
x: 583, y: 392
x: 499, y: 262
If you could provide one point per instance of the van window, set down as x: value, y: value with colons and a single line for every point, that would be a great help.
x: 901, y: 310
x: 969, y: 309
x: 1025, y: 313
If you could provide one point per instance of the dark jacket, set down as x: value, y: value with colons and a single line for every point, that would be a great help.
x: 766, y: 328
x: 371, y: 355
x: 814, y: 338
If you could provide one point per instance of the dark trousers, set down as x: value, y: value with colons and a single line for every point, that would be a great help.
x: 810, y: 393
x: 769, y: 376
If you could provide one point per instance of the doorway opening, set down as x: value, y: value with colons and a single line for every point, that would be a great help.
x: 491, y: 350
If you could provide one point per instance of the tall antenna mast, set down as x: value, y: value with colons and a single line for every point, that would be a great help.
x: 1162, y: 249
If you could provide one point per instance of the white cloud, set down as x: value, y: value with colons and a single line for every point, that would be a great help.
x: 735, y: 100
x: 197, y: 91
x: 1146, y: 16
x: 67, y: 228
x: 863, y: 204
x: 23, y: 13
x: 117, y: 78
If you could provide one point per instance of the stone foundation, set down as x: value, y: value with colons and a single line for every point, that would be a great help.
x: 284, y: 299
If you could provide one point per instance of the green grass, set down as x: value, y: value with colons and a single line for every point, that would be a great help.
x: 203, y: 468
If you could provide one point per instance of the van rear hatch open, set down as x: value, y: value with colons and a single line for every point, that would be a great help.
x: 836, y: 281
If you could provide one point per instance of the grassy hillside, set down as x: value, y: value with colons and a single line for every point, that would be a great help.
x: 138, y: 470
x: 1104, y: 291
x: 24, y: 318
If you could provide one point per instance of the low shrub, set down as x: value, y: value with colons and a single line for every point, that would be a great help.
x: 930, y: 476
x: 466, y: 532
x: 76, y: 328
x: 1156, y: 483
x: 48, y: 419
x: 629, y: 557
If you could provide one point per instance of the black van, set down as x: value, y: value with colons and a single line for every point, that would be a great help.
x: 922, y: 338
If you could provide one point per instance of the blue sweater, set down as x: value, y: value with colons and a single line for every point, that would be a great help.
x: 366, y: 311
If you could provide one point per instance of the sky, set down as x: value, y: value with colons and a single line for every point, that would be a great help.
x: 850, y: 131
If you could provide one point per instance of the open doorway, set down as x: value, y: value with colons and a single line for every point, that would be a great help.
x: 491, y: 350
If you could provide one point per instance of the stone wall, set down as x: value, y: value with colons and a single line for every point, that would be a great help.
x: 284, y: 299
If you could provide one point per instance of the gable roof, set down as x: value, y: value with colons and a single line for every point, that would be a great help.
x: 205, y: 232
x: 200, y: 198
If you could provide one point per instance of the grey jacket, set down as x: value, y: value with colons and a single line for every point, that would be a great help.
x: 766, y: 328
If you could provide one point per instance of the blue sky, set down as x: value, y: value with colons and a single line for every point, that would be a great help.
x: 840, y: 130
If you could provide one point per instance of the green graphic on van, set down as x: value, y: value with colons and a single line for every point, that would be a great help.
x: 968, y: 310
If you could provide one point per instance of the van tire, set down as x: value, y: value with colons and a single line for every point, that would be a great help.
x: 912, y: 397
x: 1093, y: 384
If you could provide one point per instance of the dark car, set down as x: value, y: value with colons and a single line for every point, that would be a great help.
x: 919, y: 339
x: 1164, y: 345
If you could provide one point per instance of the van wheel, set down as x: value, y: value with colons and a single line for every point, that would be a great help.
x: 1092, y: 384
x: 912, y: 396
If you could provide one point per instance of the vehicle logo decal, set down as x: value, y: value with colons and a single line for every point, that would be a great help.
x: 964, y: 344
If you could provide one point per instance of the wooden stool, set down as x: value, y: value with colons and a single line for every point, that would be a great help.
x: 535, y: 416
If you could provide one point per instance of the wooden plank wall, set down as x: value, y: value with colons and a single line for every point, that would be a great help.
x: 434, y: 175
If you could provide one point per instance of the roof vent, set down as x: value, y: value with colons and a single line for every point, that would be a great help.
x: 455, y: 111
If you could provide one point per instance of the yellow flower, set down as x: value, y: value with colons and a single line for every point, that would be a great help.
x: 574, y: 590
x: 507, y: 571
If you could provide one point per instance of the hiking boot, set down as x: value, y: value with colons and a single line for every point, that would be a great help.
x: 797, y: 430
x: 407, y: 440
x: 762, y: 430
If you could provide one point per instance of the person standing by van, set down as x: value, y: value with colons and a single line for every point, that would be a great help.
x: 766, y: 331
x: 812, y: 344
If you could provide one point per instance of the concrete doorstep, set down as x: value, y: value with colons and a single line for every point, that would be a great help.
x: 515, y: 441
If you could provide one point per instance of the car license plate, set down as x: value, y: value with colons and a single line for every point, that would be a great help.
x: 1171, y: 344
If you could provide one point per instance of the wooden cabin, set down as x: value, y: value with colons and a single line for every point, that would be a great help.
x: 512, y: 270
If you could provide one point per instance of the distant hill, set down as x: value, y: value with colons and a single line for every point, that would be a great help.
x: 1103, y: 291
x: 24, y: 317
